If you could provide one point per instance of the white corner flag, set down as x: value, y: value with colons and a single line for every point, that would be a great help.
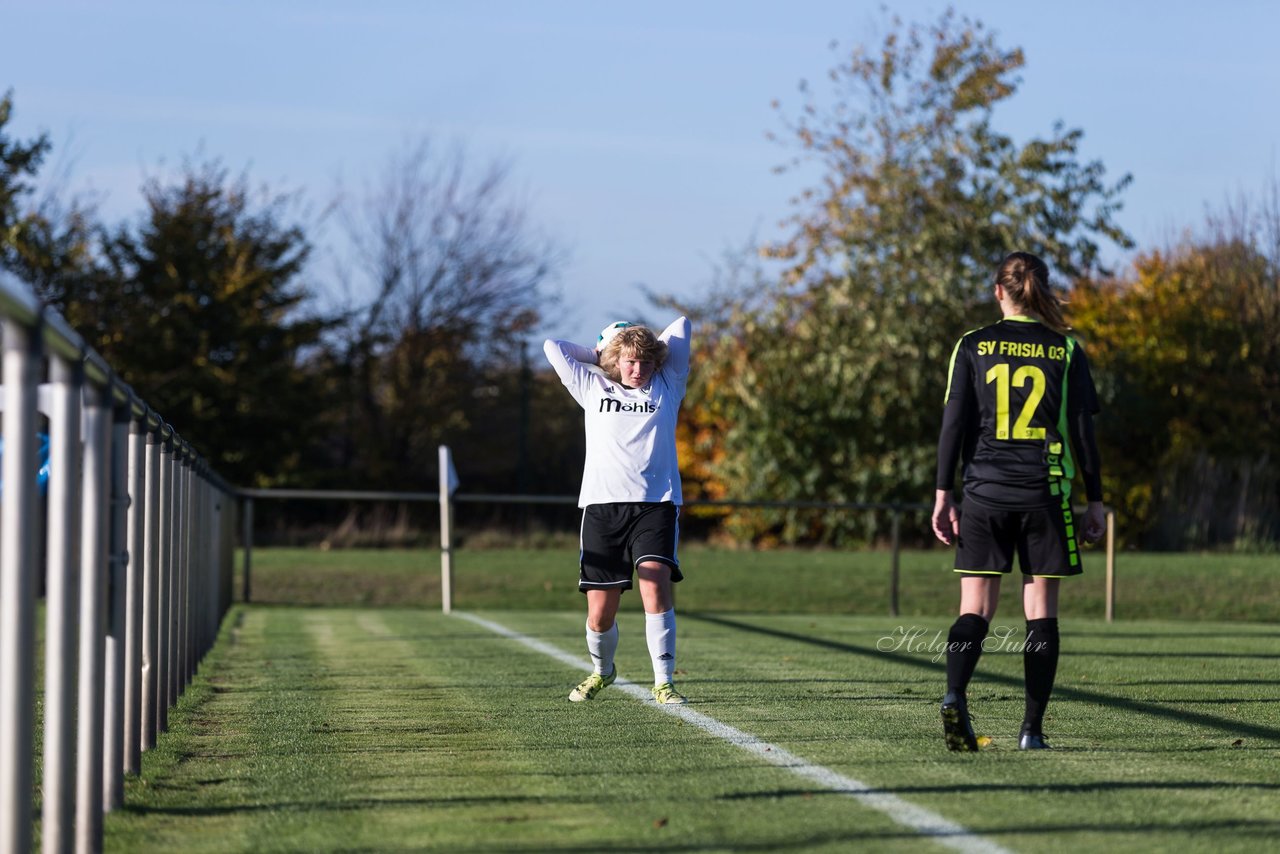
x: 448, y: 474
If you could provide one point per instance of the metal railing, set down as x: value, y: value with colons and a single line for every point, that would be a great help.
x: 139, y: 540
x: 447, y: 498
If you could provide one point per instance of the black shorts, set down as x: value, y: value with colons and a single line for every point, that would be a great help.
x: 617, y: 537
x: 1045, y: 540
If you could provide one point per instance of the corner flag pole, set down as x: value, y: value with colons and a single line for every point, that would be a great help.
x: 448, y: 485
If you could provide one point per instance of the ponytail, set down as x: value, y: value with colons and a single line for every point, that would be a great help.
x: 1025, y: 278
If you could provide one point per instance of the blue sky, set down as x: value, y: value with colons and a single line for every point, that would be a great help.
x: 636, y: 132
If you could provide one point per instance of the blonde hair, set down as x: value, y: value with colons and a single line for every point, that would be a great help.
x: 1025, y: 278
x: 637, y: 340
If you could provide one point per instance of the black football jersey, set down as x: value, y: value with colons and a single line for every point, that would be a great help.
x: 1014, y: 391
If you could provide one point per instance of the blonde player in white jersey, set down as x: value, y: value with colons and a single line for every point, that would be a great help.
x: 630, y: 387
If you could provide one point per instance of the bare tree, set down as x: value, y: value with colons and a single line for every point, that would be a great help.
x: 454, y: 277
x: 440, y: 248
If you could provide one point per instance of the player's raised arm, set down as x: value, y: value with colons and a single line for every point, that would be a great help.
x: 566, y: 351
x: 572, y: 364
x: 676, y: 337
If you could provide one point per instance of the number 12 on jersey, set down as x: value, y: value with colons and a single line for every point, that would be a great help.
x: 1022, y: 429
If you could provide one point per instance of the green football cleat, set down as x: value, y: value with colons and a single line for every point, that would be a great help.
x: 666, y: 695
x: 589, y: 687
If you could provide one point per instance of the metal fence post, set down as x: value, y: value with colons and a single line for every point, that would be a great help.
x: 163, y: 584
x: 246, y: 590
x: 17, y: 586
x: 62, y: 600
x: 93, y: 590
x: 1111, y: 566
x: 894, y: 574
x: 117, y: 563
x: 173, y: 654
x: 207, y: 598
x: 150, y: 590
x: 134, y: 584
x: 194, y: 526
x: 230, y: 518
x: 183, y: 586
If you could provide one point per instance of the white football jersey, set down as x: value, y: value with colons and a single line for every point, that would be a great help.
x: 631, y: 432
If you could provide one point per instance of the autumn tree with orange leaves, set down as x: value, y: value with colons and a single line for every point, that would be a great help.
x: 826, y: 384
x: 1186, y: 348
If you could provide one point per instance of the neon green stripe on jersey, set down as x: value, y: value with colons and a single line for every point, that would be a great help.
x: 1068, y: 464
x: 951, y: 366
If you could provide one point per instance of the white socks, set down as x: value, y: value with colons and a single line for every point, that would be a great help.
x: 660, y: 632
x: 602, y: 646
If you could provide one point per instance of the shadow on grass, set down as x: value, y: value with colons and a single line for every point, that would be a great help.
x: 1203, y: 682
x: 1190, y: 633
x: 669, y: 839
x: 1261, y: 656
x: 1181, y: 715
x: 355, y: 804
x: 988, y: 788
x: 1262, y: 829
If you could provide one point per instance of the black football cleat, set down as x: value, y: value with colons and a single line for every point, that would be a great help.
x: 956, y: 728
x: 1029, y: 740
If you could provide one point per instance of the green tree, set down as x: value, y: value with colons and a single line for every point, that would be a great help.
x: 830, y: 385
x: 43, y: 240
x: 1186, y: 347
x: 202, y: 310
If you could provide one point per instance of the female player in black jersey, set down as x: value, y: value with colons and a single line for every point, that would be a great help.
x: 1019, y: 399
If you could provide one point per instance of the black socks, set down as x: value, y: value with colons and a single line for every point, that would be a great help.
x: 1040, y: 666
x: 1039, y: 661
x: 964, y: 647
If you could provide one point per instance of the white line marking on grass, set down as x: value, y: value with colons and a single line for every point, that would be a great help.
x: 926, y: 822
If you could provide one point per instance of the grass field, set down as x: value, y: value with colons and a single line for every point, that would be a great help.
x: 355, y: 729
x: 1150, y: 586
x: 813, y: 724
x: 344, y: 727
